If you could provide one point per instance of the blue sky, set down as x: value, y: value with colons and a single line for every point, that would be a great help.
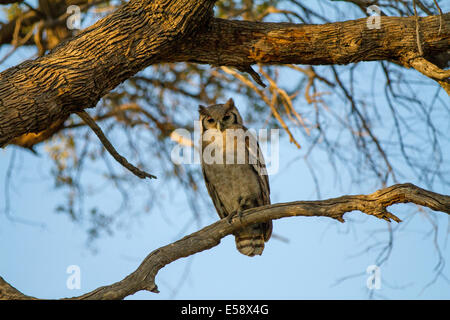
x: 319, y: 251
x: 34, y: 255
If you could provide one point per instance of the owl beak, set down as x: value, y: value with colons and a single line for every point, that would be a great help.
x: 219, y: 126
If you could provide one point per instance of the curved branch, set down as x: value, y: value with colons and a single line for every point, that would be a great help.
x: 8, y: 292
x: 110, y: 148
x: 431, y: 71
x: 143, y: 278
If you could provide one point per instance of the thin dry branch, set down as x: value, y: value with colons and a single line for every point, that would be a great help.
x: 431, y: 71
x: 143, y: 278
x: 110, y: 148
x: 265, y: 98
x: 419, y: 45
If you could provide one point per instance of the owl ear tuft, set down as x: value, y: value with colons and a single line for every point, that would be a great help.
x: 230, y: 103
x: 202, y: 110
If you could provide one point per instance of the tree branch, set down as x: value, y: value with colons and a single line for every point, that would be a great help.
x: 143, y: 278
x: 78, y: 72
x: 29, y: 140
x: 430, y: 70
x: 110, y: 148
x: 243, y: 43
x: 8, y: 292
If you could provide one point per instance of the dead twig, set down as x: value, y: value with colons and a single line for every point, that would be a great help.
x: 109, y: 147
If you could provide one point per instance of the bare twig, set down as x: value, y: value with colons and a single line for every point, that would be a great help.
x: 271, y: 104
x: 440, y: 15
x: 108, y: 146
x: 255, y: 76
x: 419, y: 45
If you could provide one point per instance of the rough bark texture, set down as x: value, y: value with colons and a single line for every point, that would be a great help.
x: 78, y: 72
x: 143, y: 278
x: 235, y: 43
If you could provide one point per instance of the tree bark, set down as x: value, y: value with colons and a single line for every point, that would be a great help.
x: 77, y: 73
x: 143, y: 278
x: 234, y: 43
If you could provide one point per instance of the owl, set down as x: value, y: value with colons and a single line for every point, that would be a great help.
x: 234, y: 173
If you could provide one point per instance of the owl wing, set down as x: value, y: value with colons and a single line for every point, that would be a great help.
x: 263, y: 179
x: 220, y: 208
x: 259, y: 167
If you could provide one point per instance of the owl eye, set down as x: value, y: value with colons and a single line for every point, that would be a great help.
x: 210, y: 120
x: 226, y: 118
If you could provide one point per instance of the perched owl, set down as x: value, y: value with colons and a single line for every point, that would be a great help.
x: 239, y: 184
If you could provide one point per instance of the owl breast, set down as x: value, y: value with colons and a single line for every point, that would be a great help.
x: 234, y: 182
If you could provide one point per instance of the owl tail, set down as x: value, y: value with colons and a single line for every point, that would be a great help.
x: 250, y: 240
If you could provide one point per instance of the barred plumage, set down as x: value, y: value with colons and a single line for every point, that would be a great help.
x: 237, y: 186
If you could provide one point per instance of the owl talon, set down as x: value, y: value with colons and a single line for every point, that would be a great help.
x: 238, y: 213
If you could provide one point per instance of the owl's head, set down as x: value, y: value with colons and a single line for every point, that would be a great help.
x: 220, y: 116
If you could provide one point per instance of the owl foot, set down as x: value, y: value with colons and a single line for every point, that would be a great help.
x: 230, y: 217
x: 238, y: 213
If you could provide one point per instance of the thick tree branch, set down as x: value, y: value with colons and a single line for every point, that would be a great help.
x: 240, y: 43
x: 29, y: 140
x: 8, y: 292
x: 143, y: 278
x: 77, y: 73
x: 9, y: 1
